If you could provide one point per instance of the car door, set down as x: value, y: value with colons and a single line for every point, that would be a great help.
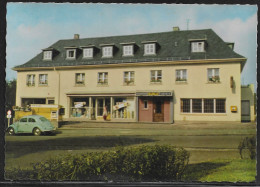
x: 31, y: 124
x: 23, y: 125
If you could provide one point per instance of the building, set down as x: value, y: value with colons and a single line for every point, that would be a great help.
x: 190, y: 75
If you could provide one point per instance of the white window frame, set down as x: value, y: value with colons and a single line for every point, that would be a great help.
x: 197, y: 47
x: 181, y: 75
x: 202, y: 106
x: 88, y: 52
x: 43, y: 79
x: 103, y: 79
x: 149, y: 49
x: 155, y: 77
x: 129, y: 77
x: 213, y: 75
x: 47, y: 55
x: 30, y: 80
x: 107, y: 51
x: 68, y: 52
x: 128, y: 50
x: 81, y: 81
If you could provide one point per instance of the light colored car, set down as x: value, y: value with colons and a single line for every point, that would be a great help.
x: 35, y: 124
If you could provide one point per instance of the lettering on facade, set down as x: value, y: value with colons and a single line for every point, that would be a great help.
x: 153, y: 93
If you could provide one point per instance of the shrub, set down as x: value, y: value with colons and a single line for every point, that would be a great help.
x: 143, y: 163
x: 248, y: 144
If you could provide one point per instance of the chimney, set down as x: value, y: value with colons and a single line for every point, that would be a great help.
x: 176, y: 29
x: 76, y: 36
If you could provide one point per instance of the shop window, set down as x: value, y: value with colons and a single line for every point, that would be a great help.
x: 196, y: 105
x: 80, y: 78
x: 149, y: 49
x: 181, y: 75
x: 156, y: 76
x: 43, y: 79
x: 30, y: 81
x: 80, y: 107
x: 220, y: 106
x: 129, y: 77
x: 145, y: 104
x: 213, y: 75
x: 51, y: 101
x: 103, y: 78
x: 185, y: 105
x: 29, y: 101
x: 208, y: 105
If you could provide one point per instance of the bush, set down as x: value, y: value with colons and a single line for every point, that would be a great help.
x: 144, y: 163
x: 248, y: 144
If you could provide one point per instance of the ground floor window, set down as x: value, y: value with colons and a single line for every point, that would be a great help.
x: 80, y: 107
x: 29, y: 101
x: 203, y: 105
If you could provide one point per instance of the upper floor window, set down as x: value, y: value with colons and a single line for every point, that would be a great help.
x: 129, y: 77
x: 149, y: 49
x: 156, y: 75
x: 107, y: 51
x: 181, y: 75
x: 80, y: 78
x: 213, y: 75
x: 71, y: 53
x: 47, y: 55
x: 30, y: 81
x: 103, y: 78
x: 88, y: 53
x: 43, y: 79
x: 198, y: 46
x: 128, y: 50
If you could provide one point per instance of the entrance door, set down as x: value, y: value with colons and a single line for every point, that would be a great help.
x: 158, y: 110
x: 245, y: 110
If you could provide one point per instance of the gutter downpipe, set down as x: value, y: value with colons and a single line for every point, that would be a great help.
x: 58, y: 94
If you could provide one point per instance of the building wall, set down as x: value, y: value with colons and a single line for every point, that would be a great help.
x: 247, y: 93
x: 197, y: 86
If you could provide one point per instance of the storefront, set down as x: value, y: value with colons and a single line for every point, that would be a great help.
x: 155, y: 107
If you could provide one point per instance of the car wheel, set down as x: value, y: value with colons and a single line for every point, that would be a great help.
x: 10, y: 131
x: 36, y: 131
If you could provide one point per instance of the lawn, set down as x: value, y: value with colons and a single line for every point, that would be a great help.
x: 206, y: 143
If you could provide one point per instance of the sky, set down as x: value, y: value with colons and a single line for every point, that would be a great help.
x: 32, y: 27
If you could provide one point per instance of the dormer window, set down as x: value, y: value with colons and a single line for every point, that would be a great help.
x: 149, y: 49
x: 198, y: 46
x: 71, y: 53
x: 107, y: 51
x: 88, y: 52
x: 128, y: 50
x: 47, y: 55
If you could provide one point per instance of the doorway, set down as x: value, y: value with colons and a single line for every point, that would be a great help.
x: 158, y: 110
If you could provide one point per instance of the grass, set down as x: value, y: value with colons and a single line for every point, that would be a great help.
x: 205, y: 142
x: 235, y: 170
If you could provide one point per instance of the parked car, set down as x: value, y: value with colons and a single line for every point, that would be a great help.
x: 35, y: 124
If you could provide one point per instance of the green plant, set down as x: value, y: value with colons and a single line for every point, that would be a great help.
x: 248, y: 143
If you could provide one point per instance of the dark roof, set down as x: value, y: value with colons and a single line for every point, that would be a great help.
x: 174, y: 45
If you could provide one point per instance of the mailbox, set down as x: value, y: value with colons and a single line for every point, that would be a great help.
x: 233, y: 108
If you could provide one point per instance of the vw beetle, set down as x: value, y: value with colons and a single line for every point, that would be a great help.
x: 35, y: 124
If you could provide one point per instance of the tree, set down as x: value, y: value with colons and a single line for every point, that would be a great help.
x: 10, y: 94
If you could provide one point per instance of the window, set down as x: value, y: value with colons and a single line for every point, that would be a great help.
x: 47, y: 55
x: 51, y: 101
x: 213, y: 75
x: 23, y: 120
x: 43, y: 79
x: 156, y: 76
x: 103, y: 78
x: 185, y: 105
x: 71, y: 53
x: 30, y: 80
x: 129, y: 77
x: 128, y: 50
x: 181, y: 75
x: 145, y: 104
x: 197, y: 47
x: 107, y: 51
x: 88, y: 53
x: 31, y: 120
x: 149, y: 49
x: 203, y: 105
x: 80, y: 78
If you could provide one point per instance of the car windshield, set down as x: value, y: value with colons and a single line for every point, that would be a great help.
x: 43, y: 119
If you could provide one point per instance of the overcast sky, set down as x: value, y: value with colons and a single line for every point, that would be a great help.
x: 35, y: 26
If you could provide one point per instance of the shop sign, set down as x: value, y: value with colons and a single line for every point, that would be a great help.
x: 154, y: 93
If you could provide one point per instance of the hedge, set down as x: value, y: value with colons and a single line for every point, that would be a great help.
x: 143, y: 163
x: 247, y: 147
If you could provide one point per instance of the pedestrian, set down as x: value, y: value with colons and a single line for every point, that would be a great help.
x: 105, y: 113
